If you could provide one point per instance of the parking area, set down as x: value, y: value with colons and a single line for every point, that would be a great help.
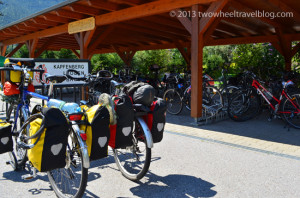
x: 256, y: 158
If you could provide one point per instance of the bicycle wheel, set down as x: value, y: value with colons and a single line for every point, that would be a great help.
x: 174, y: 101
x: 290, y: 110
x: 228, y: 93
x: 71, y: 180
x: 18, y: 156
x: 244, y: 106
x: 212, y: 98
x: 134, y: 161
x: 187, y: 98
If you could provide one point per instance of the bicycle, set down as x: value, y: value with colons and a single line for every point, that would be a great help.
x: 246, y: 104
x: 64, y: 181
x: 133, y: 161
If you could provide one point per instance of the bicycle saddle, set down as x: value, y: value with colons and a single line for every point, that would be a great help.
x: 56, y: 78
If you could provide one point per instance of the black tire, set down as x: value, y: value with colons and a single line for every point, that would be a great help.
x: 174, y: 101
x: 212, y: 98
x: 291, y: 116
x: 187, y: 98
x: 134, y: 161
x: 70, y: 181
x: 18, y: 157
x: 244, y: 106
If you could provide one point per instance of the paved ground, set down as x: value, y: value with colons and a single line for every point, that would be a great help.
x: 256, y: 158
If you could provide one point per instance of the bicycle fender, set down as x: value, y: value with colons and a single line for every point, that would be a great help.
x: 147, y: 132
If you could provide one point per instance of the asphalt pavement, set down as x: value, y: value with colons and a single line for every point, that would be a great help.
x: 223, y: 159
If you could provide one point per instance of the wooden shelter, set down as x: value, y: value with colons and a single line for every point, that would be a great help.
x: 126, y: 26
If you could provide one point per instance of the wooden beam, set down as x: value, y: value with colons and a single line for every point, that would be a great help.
x: 120, y: 53
x: 184, y: 53
x: 76, y: 53
x: 44, y: 46
x: 100, y: 38
x: 15, y: 50
x: 286, y: 8
x: 88, y: 37
x: 39, y: 34
x: 31, y: 45
x: 242, y: 7
x: 196, y: 66
x: 69, y: 14
x: 277, y: 46
x: 3, y: 50
x: 55, y: 18
x: 243, y: 40
x: 44, y: 22
x: 110, y: 6
x: 215, y: 7
x: 148, y: 9
x: 184, y: 20
x: 88, y: 10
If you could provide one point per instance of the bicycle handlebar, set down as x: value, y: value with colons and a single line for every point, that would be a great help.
x: 75, y: 78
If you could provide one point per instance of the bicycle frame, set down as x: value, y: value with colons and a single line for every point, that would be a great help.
x: 261, y: 90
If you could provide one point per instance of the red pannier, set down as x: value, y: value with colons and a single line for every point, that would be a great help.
x: 13, y: 89
x: 156, y: 120
x: 121, y: 133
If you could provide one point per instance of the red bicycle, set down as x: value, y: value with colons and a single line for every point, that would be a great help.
x: 246, y: 103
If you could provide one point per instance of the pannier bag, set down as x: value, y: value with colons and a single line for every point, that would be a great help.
x: 50, y: 151
x: 156, y: 120
x: 96, y: 128
x: 121, y: 133
x: 13, y: 89
x: 141, y: 93
x: 6, y: 143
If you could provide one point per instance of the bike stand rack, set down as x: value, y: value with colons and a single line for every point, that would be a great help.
x: 211, y: 115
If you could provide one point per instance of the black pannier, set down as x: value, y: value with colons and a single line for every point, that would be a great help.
x: 156, y: 120
x: 6, y: 143
x: 97, y: 130
x: 121, y: 133
x: 50, y: 151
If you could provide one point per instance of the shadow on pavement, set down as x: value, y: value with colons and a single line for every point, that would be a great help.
x: 174, y: 186
x: 259, y: 127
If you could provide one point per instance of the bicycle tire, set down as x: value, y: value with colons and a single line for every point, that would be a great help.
x: 212, y: 97
x: 292, y: 118
x: 174, y: 101
x: 187, y: 98
x: 244, y: 106
x: 69, y: 174
x: 18, y: 157
x: 127, y: 158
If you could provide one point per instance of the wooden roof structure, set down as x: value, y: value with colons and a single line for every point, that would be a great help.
x: 127, y: 26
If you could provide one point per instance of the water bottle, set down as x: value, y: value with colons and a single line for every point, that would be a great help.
x: 71, y: 107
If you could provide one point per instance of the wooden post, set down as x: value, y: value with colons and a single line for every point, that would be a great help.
x: 196, y: 66
x: 31, y: 45
x: 3, y: 50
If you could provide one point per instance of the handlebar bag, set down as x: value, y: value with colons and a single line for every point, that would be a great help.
x: 156, y: 120
x: 121, y: 133
x: 96, y: 128
x: 6, y: 143
x: 50, y: 151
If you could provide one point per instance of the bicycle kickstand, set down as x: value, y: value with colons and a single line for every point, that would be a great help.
x: 30, y: 176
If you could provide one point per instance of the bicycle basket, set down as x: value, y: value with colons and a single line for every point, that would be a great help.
x: 6, y: 143
x: 50, y: 151
x: 97, y: 131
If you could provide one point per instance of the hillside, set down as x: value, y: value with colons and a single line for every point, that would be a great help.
x: 13, y: 10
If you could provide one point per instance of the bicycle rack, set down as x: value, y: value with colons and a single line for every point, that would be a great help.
x: 211, y: 115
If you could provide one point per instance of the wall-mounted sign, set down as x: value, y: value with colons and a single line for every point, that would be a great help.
x: 81, y: 25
